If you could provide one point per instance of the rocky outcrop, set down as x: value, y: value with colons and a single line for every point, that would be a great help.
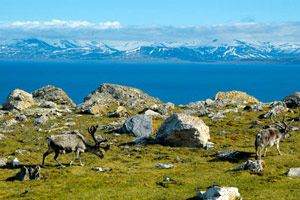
x: 276, y: 110
x: 235, y: 96
x: 53, y: 94
x: 138, y: 126
x: 292, y: 100
x: 119, y: 112
x: 183, y: 131
x: 108, y: 95
x: 18, y: 100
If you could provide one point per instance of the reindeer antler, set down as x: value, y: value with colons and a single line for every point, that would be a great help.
x: 92, y: 131
x: 277, y: 123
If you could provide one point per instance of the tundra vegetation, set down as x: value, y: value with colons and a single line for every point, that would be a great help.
x: 133, y: 174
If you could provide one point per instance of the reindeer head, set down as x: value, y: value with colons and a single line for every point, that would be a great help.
x: 283, y: 127
x: 96, y: 148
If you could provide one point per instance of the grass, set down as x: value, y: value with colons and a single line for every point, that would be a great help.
x: 134, y: 176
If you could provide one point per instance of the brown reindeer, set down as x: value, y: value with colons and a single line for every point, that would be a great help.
x: 68, y: 143
x: 270, y: 136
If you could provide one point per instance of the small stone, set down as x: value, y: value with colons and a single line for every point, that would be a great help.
x: 177, y: 159
x: 222, y: 133
x: 2, y: 137
x: 137, y: 150
x: 219, y: 193
x: 293, y: 129
x: 70, y: 124
x: 40, y: 120
x: 293, y: 172
x: 126, y: 148
x: 209, y: 145
x: 15, y: 162
x: 102, y: 169
x: 255, y: 122
x: 3, y: 162
x: 10, y: 122
x: 21, y: 118
x: 23, y: 175
x: 164, y: 166
x: 48, y: 104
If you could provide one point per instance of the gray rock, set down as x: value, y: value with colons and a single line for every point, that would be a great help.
x: 153, y: 114
x: 144, y: 140
x: 258, y: 106
x: 108, y: 95
x: 102, y: 169
x: 219, y: 193
x: 209, y: 145
x: 21, y: 118
x: 164, y: 166
x: 2, y: 137
x: 229, y: 154
x: 121, y: 111
x: 18, y: 100
x: 138, y: 126
x: 170, y: 106
x: 3, y: 162
x: 196, y: 105
x: 53, y: 94
x: 292, y: 100
x: 295, y: 129
x: 9, y: 123
x: 70, y: 124
x: 183, y: 131
x: 275, y: 111
x: 15, y: 162
x: 220, y: 103
x: 252, y: 165
x: 293, y: 172
x: 41, y: 120
x: 113, y: 126
x: 48, y: 104
x: 255, y: 122
x: 222, y: 133
x: 221, y: 113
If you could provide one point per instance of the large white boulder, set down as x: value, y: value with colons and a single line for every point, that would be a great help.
x: 18, y: 100
x: 182, y: 130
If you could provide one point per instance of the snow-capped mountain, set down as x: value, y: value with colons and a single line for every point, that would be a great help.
x: 135, y: 51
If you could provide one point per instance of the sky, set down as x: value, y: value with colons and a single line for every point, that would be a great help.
x: 154, y: 20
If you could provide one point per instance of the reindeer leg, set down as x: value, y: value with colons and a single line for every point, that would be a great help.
x: 45, y: 155
x: 265, y: 151
x: 55, y: 158
x: 278, y: 149
x: 260, y: 149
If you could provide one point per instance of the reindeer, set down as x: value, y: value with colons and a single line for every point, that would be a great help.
x: 270, y: 136
x: 68, y: 143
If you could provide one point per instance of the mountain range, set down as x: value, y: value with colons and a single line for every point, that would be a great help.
x: 122, y: 51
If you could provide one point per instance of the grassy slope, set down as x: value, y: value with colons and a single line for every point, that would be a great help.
x: 134, y: 176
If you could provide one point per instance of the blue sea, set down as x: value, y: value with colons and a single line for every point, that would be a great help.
x: 177, y: 83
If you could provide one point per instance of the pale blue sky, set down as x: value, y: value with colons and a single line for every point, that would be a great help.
x: 158, y: 12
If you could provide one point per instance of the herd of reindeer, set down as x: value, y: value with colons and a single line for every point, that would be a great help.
x: 68, y: 143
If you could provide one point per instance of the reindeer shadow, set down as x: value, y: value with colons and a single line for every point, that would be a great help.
x: 238, y: 157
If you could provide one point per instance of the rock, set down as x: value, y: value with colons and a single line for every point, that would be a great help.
x: 236, y: 118
x: 144, y: 140
x: 2, y: 137
x: 15, y: 162
x: 255, y: 122
x: 53, y: 94
x: 293, y: 129
x: 209, y: 145
x: 21, y: 118
x: 10, y: 122
x: 119, y: 112
x: 222, y: 133
x: 138, y: 126
x: 235, y: 96
x: 48, y: 104
x: 153, y: 114
x: 28, y: 173
x: 3, y: 162
x: 219, y: 193
x: 102, y: 169
x: 108, y: 95
x: 293, y: 172
x: 209, y: 101
x: 40, y: 120
x: 195, y: 105
x: 221, y: 113
x: 23, y: 175
x: 164, y: 166
x: 275, y: 111
x: 170, y: 106
x: 252, y: 165
x: 18, y: 100
x: 91, y: 108
x: 221, y: 103
x: 229, y: 154
x: 183, y: 131
x: 258, y: 106
x: 70, y: 124
x: 292, y: 100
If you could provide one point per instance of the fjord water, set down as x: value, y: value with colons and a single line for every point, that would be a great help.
x: 177, y: 83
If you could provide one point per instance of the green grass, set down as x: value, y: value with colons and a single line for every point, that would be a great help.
x: 134, y: 176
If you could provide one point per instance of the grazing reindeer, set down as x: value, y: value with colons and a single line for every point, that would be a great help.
x: 270, y: 136
x: 74, y: 143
